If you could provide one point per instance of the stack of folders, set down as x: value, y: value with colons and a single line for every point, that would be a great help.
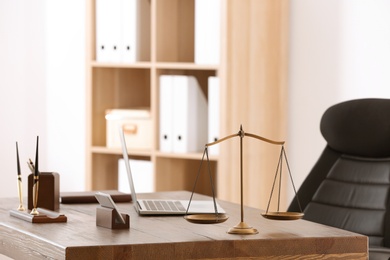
x: 119, y: 26
x: 207, y: 31
x: 183, y: 114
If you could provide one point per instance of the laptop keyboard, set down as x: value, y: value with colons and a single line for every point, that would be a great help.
x: 160, y: 205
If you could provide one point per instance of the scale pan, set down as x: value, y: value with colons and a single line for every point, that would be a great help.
x: 283, y: 215
x: 206, y: 218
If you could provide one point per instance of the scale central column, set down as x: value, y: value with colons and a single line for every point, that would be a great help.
x: 242, y: 227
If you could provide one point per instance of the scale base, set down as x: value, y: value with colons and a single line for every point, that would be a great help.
x: 242, y: 229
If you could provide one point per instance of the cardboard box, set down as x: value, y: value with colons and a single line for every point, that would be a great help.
x: 136, y: 124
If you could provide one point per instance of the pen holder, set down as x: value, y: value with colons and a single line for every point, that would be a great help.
x: 105, y: 217
x: 48, y: 193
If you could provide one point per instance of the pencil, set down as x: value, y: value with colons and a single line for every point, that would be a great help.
x: 20, y: 208
x: 34, y: 211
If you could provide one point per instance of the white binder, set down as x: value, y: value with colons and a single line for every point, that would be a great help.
x: 129, y: 46
x: 102, y: 30
x: 166, y: 113
x: 207, y: 31
x: 108, y: 30
x: 213, y: 113
x: 189, y: 115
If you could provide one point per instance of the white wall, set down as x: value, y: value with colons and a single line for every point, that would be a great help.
x: 42, y: 88
x: 65, y: 79
x: 339, y: 50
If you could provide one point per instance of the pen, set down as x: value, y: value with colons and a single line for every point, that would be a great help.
x: 30, y: 165
x: 34, y: 211
x: 20, y: 208
x: 36, y: 172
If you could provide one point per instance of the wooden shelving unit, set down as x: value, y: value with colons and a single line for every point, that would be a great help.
x: 169, y: 49
x: 119, y: 85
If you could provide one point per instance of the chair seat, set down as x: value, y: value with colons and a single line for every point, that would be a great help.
x: 379, y: 253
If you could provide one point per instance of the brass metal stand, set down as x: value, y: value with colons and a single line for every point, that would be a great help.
x: 206, y: 218
x: 21, y: 207
x: 34, y: 211
x: 282, y: 215
x: 243, y: 228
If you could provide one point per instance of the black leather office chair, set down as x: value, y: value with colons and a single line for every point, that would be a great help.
x: 349, y: 186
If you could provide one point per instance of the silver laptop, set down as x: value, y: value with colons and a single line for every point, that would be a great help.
x: 164, y: 206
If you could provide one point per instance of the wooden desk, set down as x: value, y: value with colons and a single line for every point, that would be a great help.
x: 172, y: 237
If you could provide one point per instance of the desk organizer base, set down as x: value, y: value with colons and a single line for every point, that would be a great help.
x: 45, y: 216
x: 105, y: 217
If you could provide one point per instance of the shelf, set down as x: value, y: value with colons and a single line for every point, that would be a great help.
x: 185, y: 66
x: 118, y: 151
x: 168, y: 48
x: 189, y: 156
x: 252, y: 72
x: 138, y: 65
x: 157, y: 65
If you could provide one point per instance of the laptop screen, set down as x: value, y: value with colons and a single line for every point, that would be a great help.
x: 127, y: 164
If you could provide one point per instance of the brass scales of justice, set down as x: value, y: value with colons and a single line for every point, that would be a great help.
x: 242, y: 227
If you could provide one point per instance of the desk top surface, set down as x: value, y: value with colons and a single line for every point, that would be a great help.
x: 173, y: 236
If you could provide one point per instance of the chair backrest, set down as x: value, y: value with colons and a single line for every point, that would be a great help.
x: 349, y: 185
